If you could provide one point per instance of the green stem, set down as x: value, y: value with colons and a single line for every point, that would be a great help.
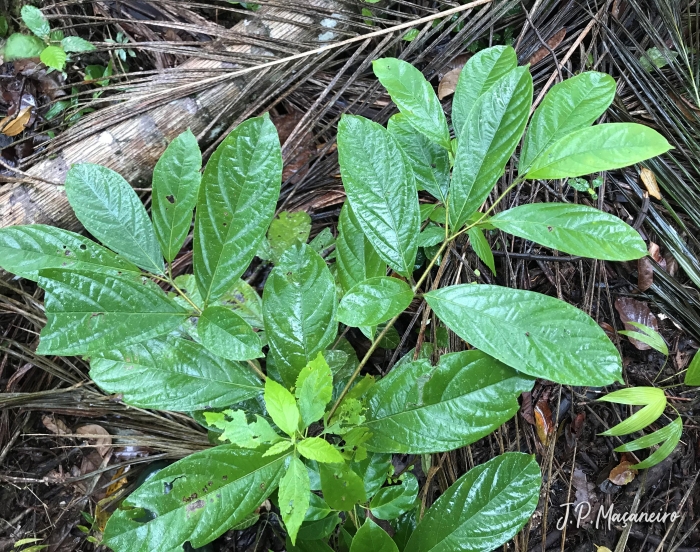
x: 257, y: 370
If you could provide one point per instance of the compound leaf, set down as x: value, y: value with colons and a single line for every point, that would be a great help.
x: 670, y: 435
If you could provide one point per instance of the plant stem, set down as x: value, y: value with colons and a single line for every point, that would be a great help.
x: 257, y: 370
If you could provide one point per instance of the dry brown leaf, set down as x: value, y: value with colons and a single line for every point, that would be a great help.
x: 650, y: 183
x: 55, y: 426
x: 631, y: 310
x: 448, y: 83
x: 12, y: 126
x: 553, y: 42
x: 645, y: 273
x: 543, y: 422
x: 622, y: 473
x: 99, y: 436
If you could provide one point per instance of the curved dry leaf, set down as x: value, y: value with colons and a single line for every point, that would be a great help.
x: 98, y: 436
x: 645, y: 273
x: 622, y: 473
x: 448, y: 83
x: 543, y: 422
x: 650, y: 184
x: 553, y: 42
x: 631, y: 310
x: 55, y: 425
x: 14, y: 125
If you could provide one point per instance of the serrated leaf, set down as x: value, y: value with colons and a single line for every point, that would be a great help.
x: 75, y: 44
x: 372, y: 537
x: 112, y: 212
x: 286, y: 230
x: 692, y: 375
x: 19, y: 46
x: 237, y: 430
x: 320, y: 450
x: 489, y: 137
x: 647, y: 335
x: 570, y: 105
x: 27, y: 249
x: 314, y: 390
x: 196, y: 499
x: 670, y: 435
x: 226, y: 334
x: 415, y: 98
x: 35, y: 21
x: 481, y: 247
x: 236, y: 203
x: 482, y: 71
x: 598, y: 148
x: 356, y: 258
x: 293, y: 495
x: 418, y: 408
x: 342, y: 487
x: 483, y: 509
x: 574, y: 229
x: 381, y: 190
x: 430, y: 162
x: 299, y: 307
x: 54, y: 57
x: 278, y: 448
x: 654, y: 399
x: 173, y: 374
x: 374, y: 301
x: 391, y: 502
x: 533, y: 333
x: 88, y: 312
x: 176, y: 180
x: 282, y: 407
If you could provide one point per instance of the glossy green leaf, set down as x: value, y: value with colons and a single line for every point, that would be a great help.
x: 489, y: 137
x: 299, y: 304
x: 293, y: 495
x: 173, y: 374
x: 236, y: 203
x: 282, y: 407
x: 226, y: 334
x: 380, y: 187
x: 374, y: 301
x: 318, y: 530
x: 415, y: 98
x: 356, y: 258
x: 371, y: 537
x: 374, y: 470
x: 307, y: 545
x: 286, y: 230
x: 573, y: 229
x: 570, y: 105
x: 314, y: 390
x: 112, y: 212
x: 531, y: 332
x: 236, y: 429
x: 670, y: 435
x: 19, y: 46
x: 176, y: 180
x: 35, y: 21
x: 429, y: 161
x: 188, y: 285
x: 598, y: 148
x: 418, y: 408
x: 196, y: 499
x: 245, y: 301
x: 482, y: 71
x: 89, y: 312
x: 481, y: 247
x: 27, y: 249
x: 647, y: 335
x: 391, y: 502
x: 75, y: 44
x: 483, y: 509
x: 279, y: 448
x: 342, y: 487
x: 431, y: 236
x: 654, y: 400
x: 320, y: 450
x: 318, y: 508
x: 692, y: 375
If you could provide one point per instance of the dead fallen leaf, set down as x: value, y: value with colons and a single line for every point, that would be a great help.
x: 553, y: 42
x: 448, y: 83
x: 622, y: 473
x: 526, y: 409
x: 543, y: 422
x: 55, y: 426
x: 649, y: 181
x: 631, y: 310
x: 645, y: 273
x: 98, y: 436
x: 12, y: 126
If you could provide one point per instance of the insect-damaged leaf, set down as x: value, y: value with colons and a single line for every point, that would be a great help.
x: 294, y: 495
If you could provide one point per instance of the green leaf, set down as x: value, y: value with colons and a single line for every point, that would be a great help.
x: 415, y: 98
x: 374, y: 470
x: 27, y: 249
x: 653, y: 397
x: 278, y: 448
x: 570, y: 105
x: 342, y: 487
x: 293, y: 495
x: 380, y: 187
x: 315, y: 448
x: 356, y: 259
x: 692, y: 375
x: 236, y: 429
x: 318, y: 530
x: 299, y: 304
x: 371, y: 537
x: 176, y: 181
x: 237, y: 199
x: 226, y: 334
x: 573, y: 229
x: 89, y: 312
x: 429, y: 161
x: 35, y: 21
x: 481, y: 247
x: 196, y: 499
x: 391, y: 502
x: 418, y: 408
x: 482, y: 71
x: 374, y: 301
x: 431, y: 236
x: 670, y: 435
x: 536, y: 334
x: 483, y: 509
x: 286, y: 230
x: 314, y: 390
x: 318, y: 509
x: 244, y: 301
x: 173, y: 374
x: 647, y: 335
x: 188, y: 285
x: 19, y: 46
x: 75, y: 44
x: 282, y: 407
x: 598, y: 148
x: 112, y: 212
x: 489, y: 137
x: 54, y: 57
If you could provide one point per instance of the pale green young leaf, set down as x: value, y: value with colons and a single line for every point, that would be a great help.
x: 415, y: 98
x: 647, y: 335
x: 236, y: 203
x: 286, y: 230
x: 19, y: 46
x: 670, y: 435
x: 371, y: 537
x: 653, y: 397
x: 176, y: 180
x: 278, y: 448
x: 570, y: 105
x: 598, y: 148
x: 390, y: 502
x: 374, y: 301
x: 489, y: 137
x: 533, y: 333
x: 294, y: 492
x: 226, y: 334
x: 692, y: 375
x: 574, y: 229
x: 381, y: 189
x: 342, y: 488
x: 237, y: 430
x: 35, y: 21
x: 314, y: 390
x: 482, y: 71
x: 54, y: 57
x: 320, y: 450
x: 481, y: 247
x: 188, y: 285
x: 75, y: 44
x: 112, y: 212
x: 282, y: 407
